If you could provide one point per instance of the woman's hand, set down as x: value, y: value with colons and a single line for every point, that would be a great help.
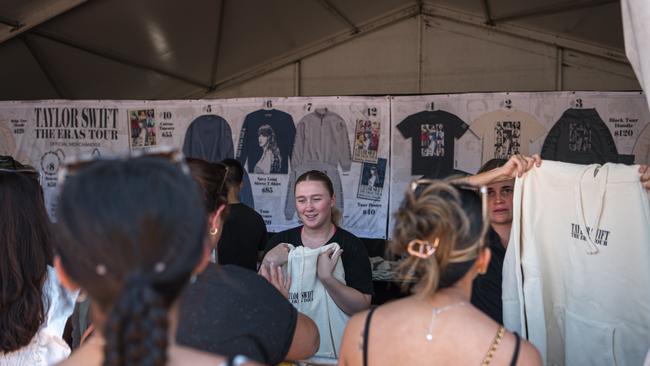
x: 276, y: 277
x: 515, y: 167
x: 645, y: 176
x: 326, y: 263
x: 519, y: 164
x: 278, y: 256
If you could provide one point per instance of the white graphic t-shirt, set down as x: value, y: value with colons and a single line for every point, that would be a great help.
x: 506, y: 132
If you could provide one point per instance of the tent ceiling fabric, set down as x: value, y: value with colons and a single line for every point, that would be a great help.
x: 150, y: 49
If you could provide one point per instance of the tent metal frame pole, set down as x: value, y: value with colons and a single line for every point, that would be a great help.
x: 316, y: 47
x: 32, y: 50
x: 553, y: 9
x: 488, y: 12
x: 14, y: 24
x: 297, y: 79
x: 339, y: 14
x: 113, y: 57
x: 48, y: 10
x: 420, y: 51
x: 217, y: 46
x: 611, y: 54
x: 430, y: 10
x: 559, y: 73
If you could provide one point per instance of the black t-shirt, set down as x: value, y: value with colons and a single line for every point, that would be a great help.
x: 244, y: 234
x: 356, y: 263
x: 486, y: 289
x: 230, y: 310
x: 432, y: 135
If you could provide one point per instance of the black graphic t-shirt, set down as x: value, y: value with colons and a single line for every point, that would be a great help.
x: 266, y: 142
x: 581, y: 137
x: 433, y: 134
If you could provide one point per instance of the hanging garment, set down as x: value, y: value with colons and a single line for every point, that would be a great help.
x: 209, y: 138
x: 266, y: 130
x: 309, y: 296
x: 576, y: 279
x: 331, y: 171
x: 581, y: 137
x: 506, y: 132
x: 322, y: 136
x: 636, y: 29
x: 433, y: 135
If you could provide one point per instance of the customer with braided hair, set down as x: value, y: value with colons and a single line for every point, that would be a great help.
x: 441, y: 229
x: 131, y: 234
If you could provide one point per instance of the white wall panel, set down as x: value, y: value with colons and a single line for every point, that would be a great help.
x: 585, y: 72
x: 456, y: 58
x: 383, y: 62
x: 463, y: 58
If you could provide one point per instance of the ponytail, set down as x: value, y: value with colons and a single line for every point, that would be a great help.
x: 136, y: 331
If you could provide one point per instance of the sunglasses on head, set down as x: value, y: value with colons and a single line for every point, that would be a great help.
x: 9, y: 165
x: 172, y: 155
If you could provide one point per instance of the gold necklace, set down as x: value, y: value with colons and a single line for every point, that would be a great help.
x: 437, y: 311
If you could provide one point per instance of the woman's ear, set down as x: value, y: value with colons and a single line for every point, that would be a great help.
x: 215, y: 220
x: 65, y: 280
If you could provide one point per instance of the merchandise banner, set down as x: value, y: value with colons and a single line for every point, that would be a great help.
x: 442, y: 135
x: 45, y: 133
x: 278, y: 139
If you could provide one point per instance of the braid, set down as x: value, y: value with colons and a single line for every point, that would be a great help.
x: 136, y: 332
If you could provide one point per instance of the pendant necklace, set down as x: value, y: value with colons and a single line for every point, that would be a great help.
x: 437, y: 311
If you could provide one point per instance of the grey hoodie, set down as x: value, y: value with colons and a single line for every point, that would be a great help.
x: 322, y: 136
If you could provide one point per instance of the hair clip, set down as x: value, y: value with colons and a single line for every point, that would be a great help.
x: 100, y: 269
x: 159, y: 267
x: 422, y: 248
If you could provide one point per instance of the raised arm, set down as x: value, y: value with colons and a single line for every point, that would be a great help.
x: 516, y: 166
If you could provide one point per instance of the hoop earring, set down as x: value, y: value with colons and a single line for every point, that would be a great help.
x: 422, y: 248
x: 214, y: 231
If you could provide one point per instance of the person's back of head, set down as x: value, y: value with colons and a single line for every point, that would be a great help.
x: 25, y: 251
x: 131, y: 234
x: 442, y: 227
x: 235, y: 174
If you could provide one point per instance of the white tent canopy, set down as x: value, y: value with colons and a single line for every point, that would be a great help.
x: 147, y: 49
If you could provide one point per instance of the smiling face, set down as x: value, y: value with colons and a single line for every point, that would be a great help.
x: 314, y: 204
x: 500, y: 202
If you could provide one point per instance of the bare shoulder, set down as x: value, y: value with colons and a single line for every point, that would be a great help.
x: 352, y: 342
x: 529, y: 355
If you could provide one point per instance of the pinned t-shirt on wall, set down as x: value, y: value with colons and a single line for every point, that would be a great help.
x: 433, y: 135
x: 506, y: 132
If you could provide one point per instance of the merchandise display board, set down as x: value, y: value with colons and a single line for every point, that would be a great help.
x: 435, y: 136
x: 371, y: 147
